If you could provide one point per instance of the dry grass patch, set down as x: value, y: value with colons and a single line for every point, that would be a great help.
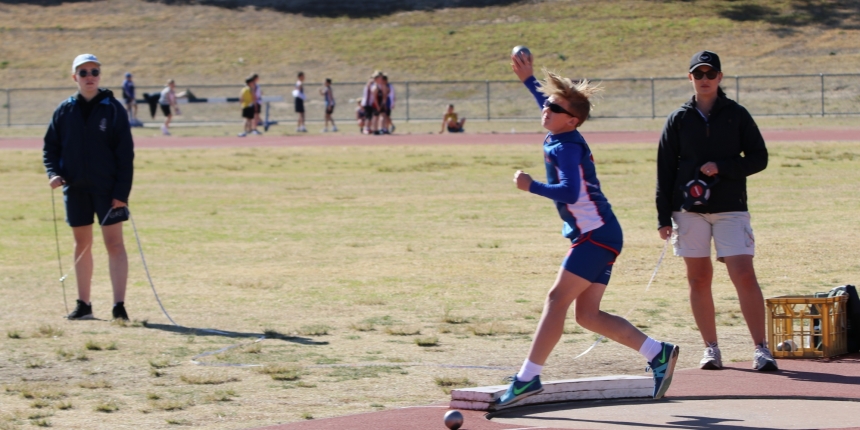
x: 427, y: 341
x: 403, y: 331
x: 49, y: 331
x: 207, y: 379
x: 79, y: 355
x: 254, y: 348
x: 95, y: 384
x: 362, y: 326
x: 314, y: 330
x: 162, y: 363
x: 221, y: 396
x: 450, y: 383
x: 281, y: 372
x: 108, y: 406
x: 496, y: 328
x: 170, y: 404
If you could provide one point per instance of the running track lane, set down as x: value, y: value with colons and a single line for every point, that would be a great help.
x: 594, y: 137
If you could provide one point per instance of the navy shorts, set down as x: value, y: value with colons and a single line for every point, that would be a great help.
x: 299, y: 105
x: 165, y: 109
x: 592, y: 255
x: 81, y: 205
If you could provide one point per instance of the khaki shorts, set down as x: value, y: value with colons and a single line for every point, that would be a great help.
x: 692, y: 233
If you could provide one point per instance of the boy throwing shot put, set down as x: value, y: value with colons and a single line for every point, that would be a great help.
x: 590, y: 224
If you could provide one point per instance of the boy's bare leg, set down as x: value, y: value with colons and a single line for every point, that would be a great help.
x: 84, y: 260
x: 117, y: 260
x: 566, y: 289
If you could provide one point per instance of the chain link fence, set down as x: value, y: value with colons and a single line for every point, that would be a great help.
x: 785, y: 95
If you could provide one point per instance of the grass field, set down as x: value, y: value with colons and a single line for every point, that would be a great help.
x: 197, y: 44
x: 372, y: 272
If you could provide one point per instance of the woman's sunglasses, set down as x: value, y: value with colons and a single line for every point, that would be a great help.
x: 84, y: 73
x: 711, y: 74
x: 554, y: 108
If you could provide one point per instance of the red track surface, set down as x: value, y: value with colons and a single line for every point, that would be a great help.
x: 594, y: 137
x: 802, y: 379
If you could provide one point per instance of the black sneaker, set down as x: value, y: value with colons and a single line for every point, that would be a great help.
x: 119, y: 312
x: 82, y: 311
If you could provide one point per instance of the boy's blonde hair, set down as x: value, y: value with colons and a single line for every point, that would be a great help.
x: 576, y: 93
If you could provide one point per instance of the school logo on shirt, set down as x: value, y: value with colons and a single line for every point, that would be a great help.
x: 103, y: 125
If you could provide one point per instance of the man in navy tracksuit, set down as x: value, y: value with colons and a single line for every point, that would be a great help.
x: 89, y: 151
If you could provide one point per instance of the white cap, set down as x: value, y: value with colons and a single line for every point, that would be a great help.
x: 84, y: 58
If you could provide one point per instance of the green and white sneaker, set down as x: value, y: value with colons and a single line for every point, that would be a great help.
x: 663, y: 366
x: 518, y: 391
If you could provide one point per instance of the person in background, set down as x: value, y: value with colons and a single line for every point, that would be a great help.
x: 359, y: 116
x: 328, y: 98
x: 368, y: 102
x: 248, y: 101
x: 450, y: 121
x: 717, y: 138
x: 389, y: 104
x: 299, y: 102
x: 167, y: 102
x: 258, y: 106
x: 128, y: 98
x: 380, y: 97
x: 89, y: 151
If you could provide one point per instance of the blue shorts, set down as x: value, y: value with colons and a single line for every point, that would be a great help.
x: 81, y: 205
x: 592, y: 255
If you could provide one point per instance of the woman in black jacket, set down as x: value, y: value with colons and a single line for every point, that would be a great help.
x: 88, y: 150
x: 708, y: 148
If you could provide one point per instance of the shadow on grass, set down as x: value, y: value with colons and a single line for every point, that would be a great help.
x: 232, y: 334
x: 828, y: 14
x: 313, y: 8
x: 337, y: 8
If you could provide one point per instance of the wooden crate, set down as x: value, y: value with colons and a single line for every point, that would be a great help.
x: 816, y: 325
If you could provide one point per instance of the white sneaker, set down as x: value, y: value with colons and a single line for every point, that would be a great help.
x: 255, y: 131
x: 325, y: 130
x: 242, y: 134
x: 164, y: 131
x: 334, y: 128
x: 712, y: 359
x: 763, y: 360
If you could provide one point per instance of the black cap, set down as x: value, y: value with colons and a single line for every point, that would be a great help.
x: 705, y: 58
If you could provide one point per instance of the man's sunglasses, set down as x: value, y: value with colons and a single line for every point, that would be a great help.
x: 711, y: 74
x: 554, y: 108
x: 84, y: 73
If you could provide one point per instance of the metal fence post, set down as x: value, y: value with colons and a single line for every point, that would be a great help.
x: 653, y: 109
x: 488, y: 100
x: 822, y: 93
x: 407, y: 101
x: 737, y: 88
x: 8, y: 108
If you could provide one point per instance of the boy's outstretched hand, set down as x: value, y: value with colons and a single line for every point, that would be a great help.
x: 522, y: 66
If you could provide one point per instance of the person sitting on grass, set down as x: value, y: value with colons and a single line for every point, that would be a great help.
x: 450, y: 120
x: 592, y: 228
